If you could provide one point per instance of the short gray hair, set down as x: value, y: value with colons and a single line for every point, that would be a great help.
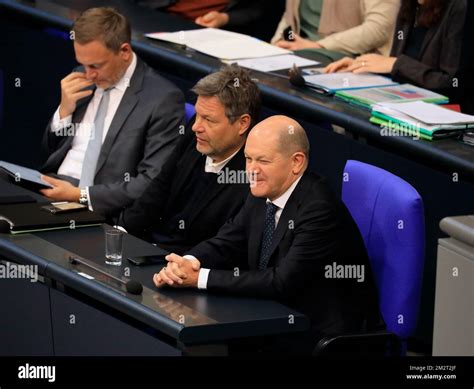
x: 235, y: 89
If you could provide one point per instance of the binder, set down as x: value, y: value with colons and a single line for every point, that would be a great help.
x: 25, y: 218
x: 400, y: 93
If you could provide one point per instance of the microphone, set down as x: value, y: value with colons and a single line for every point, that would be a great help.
x: 132, y: 287
x: 4, y: 227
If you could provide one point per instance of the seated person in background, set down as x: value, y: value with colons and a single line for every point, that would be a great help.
x: 230, y: 14
x: 350, y: 27
x: 117, y: 123
x: 203, y: 183
x: 426, y: 47
x: 282, y: 244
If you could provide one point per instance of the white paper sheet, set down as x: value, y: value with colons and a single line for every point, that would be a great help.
x: 276, y: 62
x: 430, y: 113
x: 220, y: 43
x: 344, y: 81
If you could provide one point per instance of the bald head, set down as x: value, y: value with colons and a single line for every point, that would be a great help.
x: 284, y: 133
x: 276, y: 152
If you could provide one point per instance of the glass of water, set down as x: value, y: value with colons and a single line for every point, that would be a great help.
x: 113, y: 247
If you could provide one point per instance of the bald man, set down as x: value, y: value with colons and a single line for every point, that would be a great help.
x: 293, y: 241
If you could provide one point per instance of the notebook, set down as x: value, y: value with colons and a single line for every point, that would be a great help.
x: 366, y: 98
x: 23, y: 175
x: 30, y: 217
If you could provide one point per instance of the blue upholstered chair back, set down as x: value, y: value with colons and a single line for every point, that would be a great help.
x: 389, y: 214
x: 1, y: 97
x: 189, y: 111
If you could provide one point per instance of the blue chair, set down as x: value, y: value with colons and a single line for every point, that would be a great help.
x: 189, y: 111
x: 1, y: 98
x: 390, y: 217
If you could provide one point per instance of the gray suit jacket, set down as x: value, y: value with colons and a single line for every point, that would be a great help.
x: 141, y: 137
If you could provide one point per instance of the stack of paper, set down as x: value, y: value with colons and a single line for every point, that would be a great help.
x: 424, y: 120
x: 221, y: 44
x: 333, y: 82
x: 393, y: 94
x: 275, y: 62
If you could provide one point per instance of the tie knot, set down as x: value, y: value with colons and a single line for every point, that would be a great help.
x: 271, y: 208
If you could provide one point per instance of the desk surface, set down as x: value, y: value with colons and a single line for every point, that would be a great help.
x: 189, y: 316
x: 444, y: 155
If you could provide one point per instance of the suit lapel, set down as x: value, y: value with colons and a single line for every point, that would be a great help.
x: 288, y: 214
x: 191, y: 162
x: 77, y: 117
x: 236, y: 163
x: 127, y: 104
x: 403, y: 40
x: 257, y: 219
x: 428, y: 37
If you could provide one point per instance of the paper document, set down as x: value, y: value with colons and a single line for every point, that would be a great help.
x: 23, y: 173
x: 220, y: 43
x: 276, y: 62
x: 345, y: 81
x: 429, y: 113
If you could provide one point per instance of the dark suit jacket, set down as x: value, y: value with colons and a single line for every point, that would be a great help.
x: 314, y: 231
x: 440, y: 55
x: 140, y: 139
x: 158, y: 203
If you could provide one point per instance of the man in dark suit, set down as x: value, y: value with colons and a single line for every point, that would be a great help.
x: 117, y: 123
x: 203, y: 183
x: 293, y: 241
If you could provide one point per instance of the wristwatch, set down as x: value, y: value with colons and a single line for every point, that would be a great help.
x: 83, y: 197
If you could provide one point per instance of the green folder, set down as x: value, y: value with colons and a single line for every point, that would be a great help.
x: 407, y: 130
x: 391, y: 94
x: 439, y: 132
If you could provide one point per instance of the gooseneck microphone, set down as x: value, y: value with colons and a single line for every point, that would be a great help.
x: 132, y: 287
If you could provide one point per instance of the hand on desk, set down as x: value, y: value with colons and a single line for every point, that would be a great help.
x: 179, y: 273
x: 367, y: 63
x: 298, y: 43
x: 62, y: 191
x: 213, y: 19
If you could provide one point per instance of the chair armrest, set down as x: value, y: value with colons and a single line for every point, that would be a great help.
x: 376, y: 343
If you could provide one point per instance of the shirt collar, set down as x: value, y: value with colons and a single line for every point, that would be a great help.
x: 124, y: 82
x: 212, y: 167
x: 281, y: 201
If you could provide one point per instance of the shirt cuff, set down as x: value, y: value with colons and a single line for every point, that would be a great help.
x: 58, y: 124
x: 203, y: 277
x: 89, y: 200
x: 203, y: 274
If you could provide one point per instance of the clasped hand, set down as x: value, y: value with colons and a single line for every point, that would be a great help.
x: 179, y: 273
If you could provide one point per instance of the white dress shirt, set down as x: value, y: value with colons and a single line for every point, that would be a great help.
x: 72, y: 163
x: 216, y: 167
x: 280, y: 202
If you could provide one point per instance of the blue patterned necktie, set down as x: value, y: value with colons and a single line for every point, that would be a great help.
x: 267, y: 236
x: 95, y: 143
